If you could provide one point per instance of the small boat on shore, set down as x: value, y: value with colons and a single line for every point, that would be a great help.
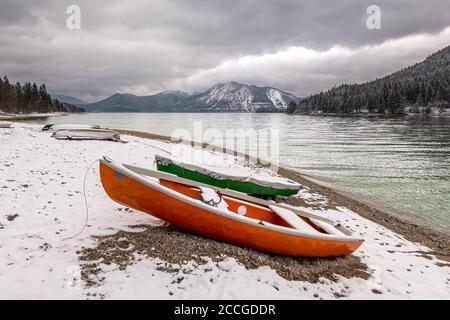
x: 5, y: 125
x: 56, y: 127
x: 238, y: 179
x: 225, y: 215
x: 87, y: 134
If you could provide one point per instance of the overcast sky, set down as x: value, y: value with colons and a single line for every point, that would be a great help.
x: 144, y: 47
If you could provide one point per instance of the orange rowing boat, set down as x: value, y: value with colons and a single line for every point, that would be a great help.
x: 226, y: 215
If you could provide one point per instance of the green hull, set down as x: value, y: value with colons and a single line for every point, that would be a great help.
x: 241, y: 186
x: 47, y: 127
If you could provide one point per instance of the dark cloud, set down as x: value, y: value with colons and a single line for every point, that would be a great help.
x: 14, y: 12
x: 144, y: 46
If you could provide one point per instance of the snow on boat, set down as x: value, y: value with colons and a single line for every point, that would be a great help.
x: 4, y: 124
x: 87, y: 134
x: 239, y: 179
x: 225, y: 215
x: 56, y: 127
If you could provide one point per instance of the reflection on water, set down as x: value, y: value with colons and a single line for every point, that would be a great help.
x: 401, y: 162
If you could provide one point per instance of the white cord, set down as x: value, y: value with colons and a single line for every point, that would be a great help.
x: 85, y: 203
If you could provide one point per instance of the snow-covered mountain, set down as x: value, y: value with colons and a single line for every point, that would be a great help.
x: 236, y: 97
x: 223, y: 97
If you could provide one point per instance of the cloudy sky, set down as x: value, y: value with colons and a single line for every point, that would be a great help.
x: 146, y: 46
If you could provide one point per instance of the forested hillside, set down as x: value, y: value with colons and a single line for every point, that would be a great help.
x: 418, y: 89
x: 27, y: 98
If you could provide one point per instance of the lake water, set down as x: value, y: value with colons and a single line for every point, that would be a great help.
x: 400, y: 162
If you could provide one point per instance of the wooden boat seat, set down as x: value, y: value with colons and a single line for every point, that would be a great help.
x: 294, y: 220
x: 328, y: 228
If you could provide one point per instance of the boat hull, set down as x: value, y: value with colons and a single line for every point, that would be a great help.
x: 140, y: 196
x: 86, y: 134
x: 241, y: 186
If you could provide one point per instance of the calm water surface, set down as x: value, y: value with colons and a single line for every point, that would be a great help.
x: 400, y: 162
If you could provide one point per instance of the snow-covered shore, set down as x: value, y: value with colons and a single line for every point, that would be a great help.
x: 42, y: 205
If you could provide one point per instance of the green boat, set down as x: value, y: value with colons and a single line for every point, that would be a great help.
x: 238, y: 179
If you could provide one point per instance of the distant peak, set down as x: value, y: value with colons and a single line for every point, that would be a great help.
x: 229, y: 83
x: 174, y: 92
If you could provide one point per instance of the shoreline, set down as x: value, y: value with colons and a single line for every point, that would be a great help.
x: 375, y: 114
x: 30, y: 116
x: 412, y: 228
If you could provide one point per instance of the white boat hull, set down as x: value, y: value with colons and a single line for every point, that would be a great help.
x: 5, y: 124
x: 86, y: 134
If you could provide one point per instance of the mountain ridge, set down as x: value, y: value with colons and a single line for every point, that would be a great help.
x: 68, y: 99
x: 237, y: 97
x: 222, y: 97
